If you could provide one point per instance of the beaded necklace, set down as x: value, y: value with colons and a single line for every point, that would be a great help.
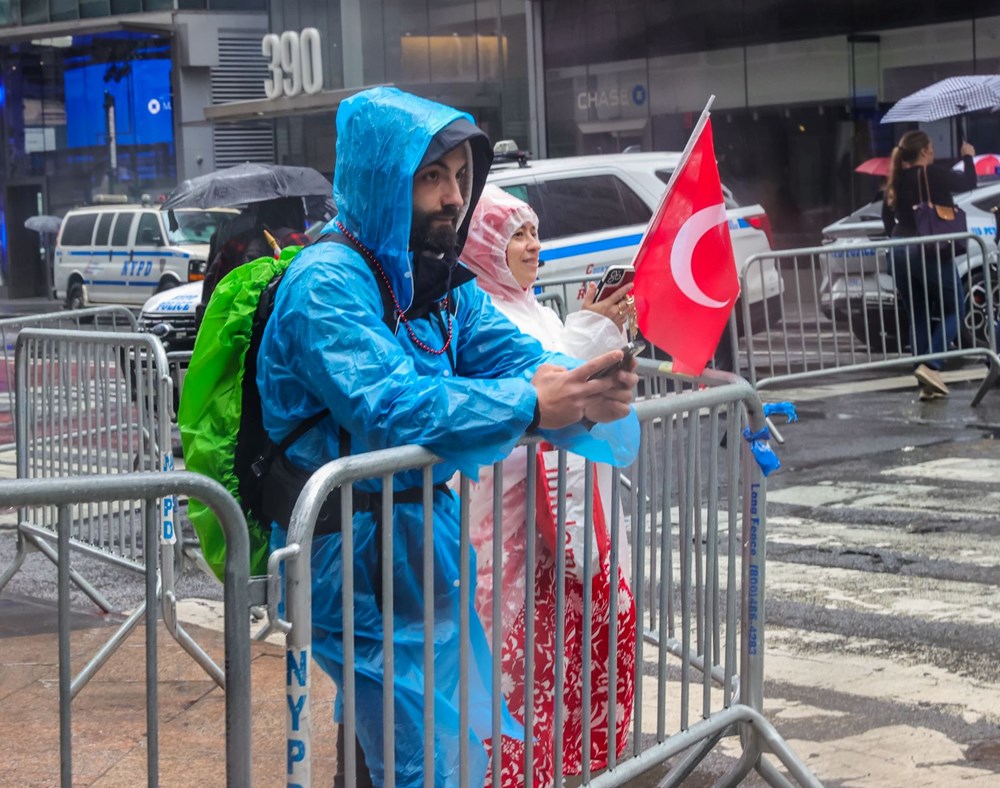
x: 399, y: 309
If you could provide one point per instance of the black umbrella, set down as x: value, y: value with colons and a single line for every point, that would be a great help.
x: 43, y: 224
x: 247, y: 183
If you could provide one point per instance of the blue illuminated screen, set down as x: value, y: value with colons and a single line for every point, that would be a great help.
x: 143, y: 109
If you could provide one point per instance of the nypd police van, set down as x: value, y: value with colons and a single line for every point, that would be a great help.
x: 593, y: 210
x: 122, y: 254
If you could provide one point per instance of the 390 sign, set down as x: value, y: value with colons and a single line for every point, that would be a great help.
x: 295, y: 63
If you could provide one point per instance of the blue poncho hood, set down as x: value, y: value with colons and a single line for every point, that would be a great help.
x: 383, y: 137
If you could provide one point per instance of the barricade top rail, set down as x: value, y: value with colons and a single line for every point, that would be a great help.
x: 867, y: 244
x: 378, y: 463
x: 76, y: 314
x: 572, y: 279
x: 114, y: 338
x: 83, y: 489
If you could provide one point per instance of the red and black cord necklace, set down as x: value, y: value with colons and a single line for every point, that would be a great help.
x: 399, y: 309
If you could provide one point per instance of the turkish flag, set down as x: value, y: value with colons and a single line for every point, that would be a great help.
x: 685, y: 276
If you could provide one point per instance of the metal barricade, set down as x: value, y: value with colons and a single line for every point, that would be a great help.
x: 697, y: 520
x: 564, y: 292
x: 873, y: 305
x: 113, y: 318
x: 178, y: 362
x: 68, y: 495
x: 99, y: 403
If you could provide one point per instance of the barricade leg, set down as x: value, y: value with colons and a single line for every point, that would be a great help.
x: 20, y: 555
x: 110, y: 647
x: 78, y: 580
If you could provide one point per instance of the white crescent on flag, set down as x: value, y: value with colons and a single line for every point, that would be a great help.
x: 685, y: 241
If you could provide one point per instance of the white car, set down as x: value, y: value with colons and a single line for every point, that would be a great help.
x: 592, y: 212
x: 858, y: 275
x: 122, y: 254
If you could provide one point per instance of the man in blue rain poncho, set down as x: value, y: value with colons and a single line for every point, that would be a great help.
x: 454, y: 376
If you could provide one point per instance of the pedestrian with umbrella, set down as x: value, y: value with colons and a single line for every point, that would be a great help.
x: 247, y: 183
x: 273, y: 219
x: 48, y: 228
x: 264, y: 228
x: 925, y: 274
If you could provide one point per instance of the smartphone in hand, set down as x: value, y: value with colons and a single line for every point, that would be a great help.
x: 630, y: 350
x: 614, y: 278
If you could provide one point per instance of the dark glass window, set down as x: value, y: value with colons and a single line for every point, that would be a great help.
x: 78, y: 230
x: 34, y: 11
x: 125, y: 6
x: 989, y: 204
x: 636, y: 211
x: 94, y: 8
x: 583, y: 205
x: 103, y: 228
x: 519, y: 190
x: 60, y: 10
x: 120, y: 235
x: 149, y: 233
x: 235, y: 5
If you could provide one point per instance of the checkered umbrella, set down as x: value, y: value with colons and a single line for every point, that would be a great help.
x: 947, y: 98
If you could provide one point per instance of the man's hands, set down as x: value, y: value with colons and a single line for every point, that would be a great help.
x: 566, y: 396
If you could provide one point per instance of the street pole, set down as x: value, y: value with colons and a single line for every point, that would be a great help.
x: 109, y: 117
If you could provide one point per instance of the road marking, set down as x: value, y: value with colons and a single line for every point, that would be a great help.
x: 868, y: 495
x: 951, y: 469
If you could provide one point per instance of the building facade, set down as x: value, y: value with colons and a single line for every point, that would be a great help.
x: 799, y: 86
x: 471, y: 54
x: 108, y: 97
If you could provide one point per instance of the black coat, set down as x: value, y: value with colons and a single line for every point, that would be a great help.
x: 943, y: 182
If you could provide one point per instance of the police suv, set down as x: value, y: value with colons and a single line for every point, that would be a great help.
x: 122, y: 254
x: 592, y: 211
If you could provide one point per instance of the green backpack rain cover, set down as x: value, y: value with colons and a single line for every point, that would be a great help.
x: 212, y: 403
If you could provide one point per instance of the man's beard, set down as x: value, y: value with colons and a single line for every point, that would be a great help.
x: 434, y: 238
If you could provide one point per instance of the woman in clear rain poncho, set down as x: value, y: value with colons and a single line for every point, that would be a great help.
x: 502, y: 249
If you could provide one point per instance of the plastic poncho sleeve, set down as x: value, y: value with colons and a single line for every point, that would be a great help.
x: 587, y: 334
x: 615, y: 443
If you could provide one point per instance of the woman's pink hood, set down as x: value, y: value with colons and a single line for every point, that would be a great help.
x: 497, y: 217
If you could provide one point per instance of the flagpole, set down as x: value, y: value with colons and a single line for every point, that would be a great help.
x: 685, y: 155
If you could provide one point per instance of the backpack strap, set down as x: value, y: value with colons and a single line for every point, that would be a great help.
x: 276, y: 482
